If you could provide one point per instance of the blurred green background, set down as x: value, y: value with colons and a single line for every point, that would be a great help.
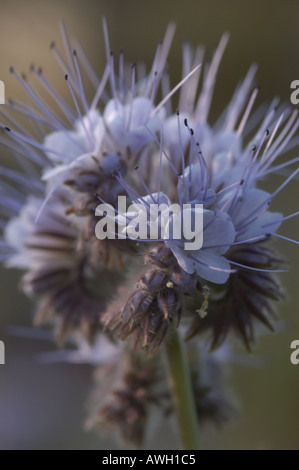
x: 42, y: 406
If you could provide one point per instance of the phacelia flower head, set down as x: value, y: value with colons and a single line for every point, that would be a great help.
x: 172, y: 165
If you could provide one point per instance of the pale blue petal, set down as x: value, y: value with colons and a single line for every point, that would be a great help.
x: 212, y: 268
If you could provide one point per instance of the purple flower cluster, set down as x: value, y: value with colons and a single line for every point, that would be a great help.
x: 123, y: 141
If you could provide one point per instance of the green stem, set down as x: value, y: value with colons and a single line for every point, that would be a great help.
x: 181, y: 388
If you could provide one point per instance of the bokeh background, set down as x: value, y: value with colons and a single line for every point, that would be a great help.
x: 43, y: 406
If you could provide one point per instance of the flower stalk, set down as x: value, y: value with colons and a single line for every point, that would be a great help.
x: 180, y: 384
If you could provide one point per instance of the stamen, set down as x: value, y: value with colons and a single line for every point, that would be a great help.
x: 247, y: 111
x: 52, y: 92
x: 88, y: 135
x: 129, y: 190
x: 80, y: 81
x: 25, y: 151
x: 163, y: 151
x: 160, y: 167
x: 152, y: 72
x: 181, y: 143
x: 101, y: 87
x: 65, y: 68
x: 161, y: 55
x: 237, y: 103
x: 281, y: 138
x: 262, y: 270
x: 283, y: 144
x: 266, y: 203
x: 121, y: 76
x: 281, y: 220
x: 144, y: 184
x: 266, y: 134
x: 21, y: 179
x: 133, y: 68
x: 204, y: 102
x: 112, y: 79
x: 45, y: 202
x: 34, y: 96
x: 177, y: 87
x: 233, y: 185
x: 106, y: 39
x: 192, y: 85
x: 213, y: 268
x: 277, y: 125
x: 155, y: 87
x: 267, y: 120
x: 285, y: 238
x: 67, y: 46
x: 223, y: 245
x: 92, y: 75
x: 285, y: 183
x: 186, y: 69
x: 32, y: 142
x: 27, y: 111
x: 165, y: 85
x: 11, y: 120
x: 222, y: 208
x: 166, y: 44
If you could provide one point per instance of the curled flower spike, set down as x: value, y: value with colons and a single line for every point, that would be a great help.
x: 247, y: 300
x: 66, y: 268
x: 132, y: 392
x: 155, y: 303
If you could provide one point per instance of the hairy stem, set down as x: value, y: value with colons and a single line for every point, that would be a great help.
x: 183, y: 398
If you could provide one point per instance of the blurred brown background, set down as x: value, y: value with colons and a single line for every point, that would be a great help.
x: 42, y: 406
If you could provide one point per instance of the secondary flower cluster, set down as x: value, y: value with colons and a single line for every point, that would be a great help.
x: 125, y: 142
